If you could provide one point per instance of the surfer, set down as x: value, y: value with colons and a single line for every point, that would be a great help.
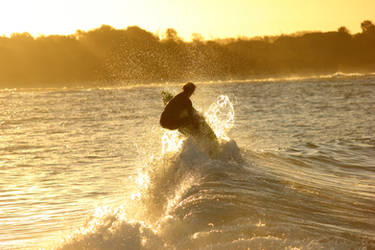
x: 179, y: 111
x: 180, y: 114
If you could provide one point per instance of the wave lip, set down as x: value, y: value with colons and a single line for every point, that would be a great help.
x: 155, y: 211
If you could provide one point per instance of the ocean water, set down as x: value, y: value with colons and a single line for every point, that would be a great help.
x: 92, y: 169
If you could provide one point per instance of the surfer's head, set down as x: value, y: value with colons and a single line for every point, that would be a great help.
x: 189, y: 88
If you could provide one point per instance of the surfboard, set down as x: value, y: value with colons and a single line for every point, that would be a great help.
x: 204, y: 135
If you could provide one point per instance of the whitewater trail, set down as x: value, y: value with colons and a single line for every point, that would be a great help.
x: 148, y: 218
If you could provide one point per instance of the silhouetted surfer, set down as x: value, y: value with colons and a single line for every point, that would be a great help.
x: 179, y: 111
x: 180, y: 114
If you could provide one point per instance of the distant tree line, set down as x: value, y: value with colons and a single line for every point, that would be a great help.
x: 105, y: 56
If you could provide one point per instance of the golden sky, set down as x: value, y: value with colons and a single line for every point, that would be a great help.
x: 210, y: 18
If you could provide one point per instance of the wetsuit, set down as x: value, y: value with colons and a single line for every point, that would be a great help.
x: 178, y: 112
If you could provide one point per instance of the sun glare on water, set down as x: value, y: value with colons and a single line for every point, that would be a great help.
x: 219, y: 116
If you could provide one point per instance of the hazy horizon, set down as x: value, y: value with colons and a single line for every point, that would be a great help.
x: 107, y: 55
x: 85, y: 42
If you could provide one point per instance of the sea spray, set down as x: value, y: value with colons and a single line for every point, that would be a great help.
x: 150, y: 211
x: 220, y: 116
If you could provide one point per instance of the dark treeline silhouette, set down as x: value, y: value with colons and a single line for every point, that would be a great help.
x: 107, y: 56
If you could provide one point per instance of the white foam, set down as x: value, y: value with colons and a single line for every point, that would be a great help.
x: 146, y: 220
x: 111, y: 230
